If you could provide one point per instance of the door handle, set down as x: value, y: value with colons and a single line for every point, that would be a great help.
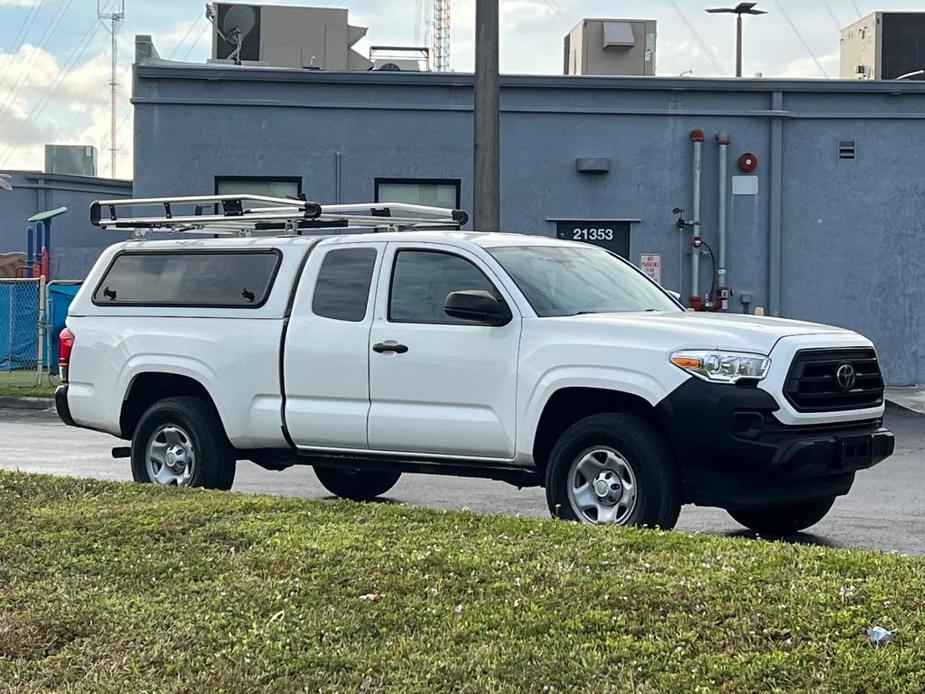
x: 390, y: 346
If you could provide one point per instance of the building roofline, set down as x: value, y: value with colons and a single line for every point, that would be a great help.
x: 164, y: 69
x: 31, y: 175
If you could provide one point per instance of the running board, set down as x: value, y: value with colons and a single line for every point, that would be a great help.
x: 512, y: 474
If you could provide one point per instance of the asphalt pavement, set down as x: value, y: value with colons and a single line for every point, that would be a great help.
x: 885, y: 509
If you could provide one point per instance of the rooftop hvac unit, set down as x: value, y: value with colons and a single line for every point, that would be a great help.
x: 390, y: 65
x: 399, y: 58
x: 611, y: 47
x: 76, y: 160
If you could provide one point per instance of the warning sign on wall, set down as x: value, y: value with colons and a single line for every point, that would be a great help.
x: 651, y: 264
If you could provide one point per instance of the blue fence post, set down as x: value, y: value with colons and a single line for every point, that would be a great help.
x: 30, y: 236
x: 40, y: 246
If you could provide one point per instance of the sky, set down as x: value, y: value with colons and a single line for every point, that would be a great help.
x: 55, y: 54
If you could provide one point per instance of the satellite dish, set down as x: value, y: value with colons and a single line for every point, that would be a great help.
x: 240, y: 17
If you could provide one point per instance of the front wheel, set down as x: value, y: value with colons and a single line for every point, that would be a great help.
x: 783, y: 520
x: 613, y: 468
x: 181, y: 442
x: 358, y: 485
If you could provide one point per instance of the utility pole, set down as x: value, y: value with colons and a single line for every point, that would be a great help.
x: 486, y: 179
x: 738, y: 11
x: 115, y: 19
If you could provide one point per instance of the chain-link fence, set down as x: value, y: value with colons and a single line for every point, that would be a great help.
x: 22, y: 331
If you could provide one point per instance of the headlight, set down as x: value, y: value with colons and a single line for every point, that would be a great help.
x: 721, y: 367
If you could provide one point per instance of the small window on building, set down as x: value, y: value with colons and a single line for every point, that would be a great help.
x: 846, y: 149
x: 421, y: 281
x: 271, y: 186
x: 223, y: 279
x: 419, y: 191
x: 342, y: 287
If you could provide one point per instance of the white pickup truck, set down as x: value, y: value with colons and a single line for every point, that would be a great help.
x: 519, y: 358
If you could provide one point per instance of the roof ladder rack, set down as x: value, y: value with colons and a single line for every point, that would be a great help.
x: 261, y: 215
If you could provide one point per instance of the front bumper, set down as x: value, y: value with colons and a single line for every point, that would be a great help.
x: 735, y: 454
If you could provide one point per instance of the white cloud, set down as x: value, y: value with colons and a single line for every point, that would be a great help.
x: 807, y: 67
x: 39, y: 105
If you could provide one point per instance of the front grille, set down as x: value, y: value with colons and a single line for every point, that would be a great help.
x: 813, y: 384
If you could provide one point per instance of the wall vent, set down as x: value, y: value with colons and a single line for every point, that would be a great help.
x: 846, y: 149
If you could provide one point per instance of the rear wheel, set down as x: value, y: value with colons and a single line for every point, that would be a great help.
x: 181, y: 442
x: 783, y: 520
x: 359, y: 485
x: 613, y: 468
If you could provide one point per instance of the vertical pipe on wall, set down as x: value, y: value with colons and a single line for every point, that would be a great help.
x: 723, y: 303
x: 775, y: 207
x: 697, y: 138
x: 337, y: 165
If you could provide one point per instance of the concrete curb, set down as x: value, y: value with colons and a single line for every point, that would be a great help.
x: 908, y: 398
x: 15, y: 402
x: 893, y: 405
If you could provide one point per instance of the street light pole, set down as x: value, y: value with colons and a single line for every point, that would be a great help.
x: 738, y: 10
x: 738, y: 45
x: 486, y: 179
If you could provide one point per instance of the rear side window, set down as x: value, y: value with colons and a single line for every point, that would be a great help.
x: 342, y: 287
x: 214, y: 279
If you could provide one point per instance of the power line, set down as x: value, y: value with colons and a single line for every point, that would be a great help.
x: 558, y: 10
x: 857, y: 9
x: 800, y: 36
x: 832, y: 15
x: 63, y: 73
x: 62, y: 9
x: 20, y: 37
x: 176, y: 49
x: 196, y: 41
x: 703, y: 44
x: 25, y: 26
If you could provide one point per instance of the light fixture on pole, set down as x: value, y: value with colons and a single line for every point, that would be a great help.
x: 738, y: 11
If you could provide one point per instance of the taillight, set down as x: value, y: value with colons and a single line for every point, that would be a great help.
x: 65, y: 345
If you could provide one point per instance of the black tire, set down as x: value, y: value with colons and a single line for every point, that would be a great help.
x: 657, y: 499
x: 358, y: 485
x: 202, y: 432
x: 783, y: 520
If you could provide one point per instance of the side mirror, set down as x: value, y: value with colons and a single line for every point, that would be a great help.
x: 478, y: 306
x: 676, y: 295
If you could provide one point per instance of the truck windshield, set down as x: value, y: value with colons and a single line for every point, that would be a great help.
x: 568, y: 281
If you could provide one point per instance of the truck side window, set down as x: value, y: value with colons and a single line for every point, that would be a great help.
x: 422, y: 279
x: 342, y: 288
x: 227, y: 279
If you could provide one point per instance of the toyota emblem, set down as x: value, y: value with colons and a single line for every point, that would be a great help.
x: 846, y: 376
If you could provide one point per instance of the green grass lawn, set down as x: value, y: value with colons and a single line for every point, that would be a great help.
x: 27, y: 384
x: 107, y: 587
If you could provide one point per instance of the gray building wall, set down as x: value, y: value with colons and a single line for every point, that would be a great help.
x: 75, y: 243
x: 826, y: 239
